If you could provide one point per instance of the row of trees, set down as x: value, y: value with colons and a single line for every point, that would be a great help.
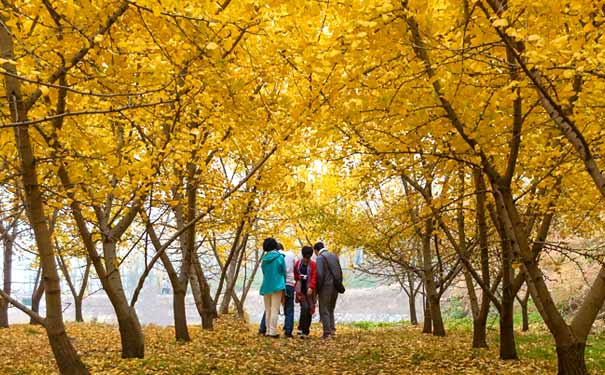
x: 134, y: 127
x: 479, y: 139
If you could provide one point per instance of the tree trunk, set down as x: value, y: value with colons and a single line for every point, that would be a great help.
x: 78, y: 307
x: 431, y: 288
x: 204, y: 303
x: 479, y: 331
x: 3, y: 313
x: 7, y: 242
x: 438, y: 326
x: 233, y: 274
x: 66, y: 355
x: 239, y: 307
x: 525, y: 316
x: 36, y: 298
x: 67, y: 358
x: 180, y: 315
x: 507, y: 333
x: 206, y: 306
x: 203, y: 300
x: 566, y: 336
x: 524, y: 313
x: 480, y: 313
x: 247, y: 284
x: 480, y: 321
x: 230, y: 276
x: 428, y: 322
x: 179, y: 294
x: 79, y: 297
x: 206, y: 309
x: 131, y: 333
x: 570, y: 359
x: 413, y: 314
x: 413, y: 292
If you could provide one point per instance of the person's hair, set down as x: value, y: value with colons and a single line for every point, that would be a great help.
x: 307, y: 252
x: 280, y: 246
x: 269, y: 244
x: 318, y: 246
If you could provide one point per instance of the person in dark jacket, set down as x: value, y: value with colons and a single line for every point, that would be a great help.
x: 305, y: 274
x: 273, y: 285
x: 328, y: 269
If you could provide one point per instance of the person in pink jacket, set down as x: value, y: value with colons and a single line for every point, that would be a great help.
x: 305, y: 274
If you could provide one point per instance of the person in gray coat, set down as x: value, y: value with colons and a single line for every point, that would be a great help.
x: 328, y: 268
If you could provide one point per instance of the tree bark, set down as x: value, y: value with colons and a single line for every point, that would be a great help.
x: 507, y: 334
x: 412, y: 298
x: 179, y: 294
x: 187, y: 245
x: 131, y: 333
x: 570, y: 359
x: 508, y: 349
x: 413, y: 314
x: 247, y: 284
x: 231, y: 277
x: 431, y: 288
x: 480, y: 331
x: 36, y: 298
x: 180, y: 315
x: 524, y: 313
x: 230, y: 291
x: 204, y: 303
x: 480, y: 321
x: 79, y: 297
x: 78, y: 307
x: 525, y: 316
x: 427, y: 326
x: 229, y: 270
x: 479, y: 309
x: 7, y: 241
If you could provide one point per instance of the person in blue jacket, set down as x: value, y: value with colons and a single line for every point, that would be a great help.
x: 272, y: 288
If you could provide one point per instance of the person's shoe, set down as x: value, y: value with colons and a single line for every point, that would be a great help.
x: 325, y: 337
x: 288, y: 335
x: 262, y: 334
x: 273, y: 336
x: 303, y: 336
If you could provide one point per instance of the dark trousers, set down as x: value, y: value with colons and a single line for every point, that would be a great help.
x: 304, y: 321
x: 289, y: 310
x: 327, y: 303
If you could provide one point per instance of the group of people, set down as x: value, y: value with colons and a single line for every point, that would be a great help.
x: 304, y: 280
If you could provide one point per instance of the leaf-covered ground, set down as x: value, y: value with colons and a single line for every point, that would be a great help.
x: 234, y: 348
